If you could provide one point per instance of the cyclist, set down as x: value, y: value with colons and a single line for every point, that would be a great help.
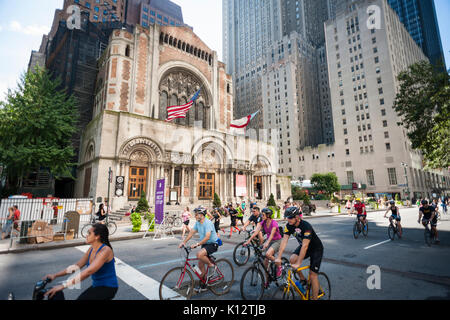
x: 208, y: 243
x: 101, y: 213
x: 310, y: 246
x: 360, y: 210
x: 100, y: 266
x: 429, y: 215
x: 273, y: 237
x: 255, y: 218
x: 395, y: 215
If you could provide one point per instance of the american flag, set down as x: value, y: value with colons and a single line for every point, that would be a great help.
x: 175, y: 112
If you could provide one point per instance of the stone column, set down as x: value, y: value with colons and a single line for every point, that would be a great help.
x: 225, y: 185
x: 172, y: 176
x: 180, y: 200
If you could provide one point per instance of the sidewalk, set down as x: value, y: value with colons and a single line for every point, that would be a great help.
x: 125, y: 233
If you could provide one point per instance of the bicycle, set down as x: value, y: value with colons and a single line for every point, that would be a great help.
x: 178, y: 282
x: 38, y: 291
x: 359, y: 227
x: 289, y: 290
x: 429, y: 234
x: 393, y: 230
x: 256, y: 279
x: 112, y: 227
x: 241, y: 253
x: 173, y: 220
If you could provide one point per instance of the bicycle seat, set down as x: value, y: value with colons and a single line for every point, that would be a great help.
x: 211, y: 257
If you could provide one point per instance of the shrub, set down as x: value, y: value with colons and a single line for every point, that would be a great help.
x: 142, y: 205
x: 216, y: 202
x: 271, y: 202
x: 136, y: 220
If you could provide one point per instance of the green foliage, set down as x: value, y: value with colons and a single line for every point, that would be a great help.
x: 397, y: 198
x: 297, y: 193
x: 216, y: 202
x: 328, y: 183
x: 271, y: 202
x: 276, y: 211
x: 306, y: 199
x: 149, y: 216
x: 37, y: 123
x: 423, y: 104
x: 136, y: 221
x: 142, y: 205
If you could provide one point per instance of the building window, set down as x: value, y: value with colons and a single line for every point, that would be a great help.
x: 350, y: 178
x: 382, y: 101
x: 347, y: 152
x: 346, y: 141
x: 385, y: 123
x: 392, y: 176
x: 386, y: 135
x: 388, y: 146
x: 383, y: 112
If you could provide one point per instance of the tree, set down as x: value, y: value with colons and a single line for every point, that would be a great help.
x: 423, y: 105
x: 37, y: 123
x: 327, y: 183
x: 216, y: 202
x: 271, y: 202
x: 142, y: 205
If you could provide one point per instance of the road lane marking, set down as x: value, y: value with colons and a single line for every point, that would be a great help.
x: 145, y: 285
x: 377, y: 244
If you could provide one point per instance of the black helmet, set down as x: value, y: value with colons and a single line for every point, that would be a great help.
x: 200, y: 210
x: 424, y: 202
x: 392, y: 202
x: 268, y: 212
x: 291, y: 212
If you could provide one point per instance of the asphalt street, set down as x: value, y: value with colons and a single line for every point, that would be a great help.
x: 409, y: 269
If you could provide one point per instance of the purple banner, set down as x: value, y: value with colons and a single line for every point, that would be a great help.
x: 159, y: 201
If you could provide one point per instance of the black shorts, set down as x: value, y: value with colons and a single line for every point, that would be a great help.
x: 186, y: 222
x: 396, y: 217
x: 98, y: 293
x: 210, y: 247
x: 315, y: 255
x: 217, y: 226
x: 360, y: 215
x: 233, y: 222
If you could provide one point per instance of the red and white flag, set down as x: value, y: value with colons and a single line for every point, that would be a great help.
x: 174, y: 112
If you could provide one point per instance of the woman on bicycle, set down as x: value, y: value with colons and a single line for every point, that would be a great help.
x: 395, y: 215
x: 273, y: 237
x: 99, y: 261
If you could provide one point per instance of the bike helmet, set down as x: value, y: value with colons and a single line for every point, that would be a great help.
x: 268, y: 212
x: 392, y: 202
x: 200, y: 210
x: 424, y: 202
x: 291, y: 212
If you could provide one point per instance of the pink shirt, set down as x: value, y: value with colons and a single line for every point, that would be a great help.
x: 268, y: 230
x: 186, y: 215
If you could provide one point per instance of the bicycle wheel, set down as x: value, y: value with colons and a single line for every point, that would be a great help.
x: 391, y: 232
x: 222, y: 281
x: 177, y: 222
x: 112, y: 227
x: 365, y: 229
x: 85, y: 230
x: 324, y: 287
x: 281, y: 293
x: 241, y: 254
x: 177, y: 284
x: 252, y: 284
x: 356, y: 230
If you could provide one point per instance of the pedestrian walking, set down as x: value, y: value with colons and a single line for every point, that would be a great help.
x: 186, y: 215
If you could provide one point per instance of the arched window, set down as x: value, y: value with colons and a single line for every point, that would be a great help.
x: 183, y: 46
x: 170, y: 40
x: 127, y: 51
x: 161, y: 38
x: 163, y: 104
x: 166, y: 38
x: 195, y: 51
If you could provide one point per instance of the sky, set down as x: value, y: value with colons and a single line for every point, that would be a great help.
x: 23, y: 22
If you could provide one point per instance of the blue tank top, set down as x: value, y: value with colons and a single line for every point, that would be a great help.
x: 106, y: 275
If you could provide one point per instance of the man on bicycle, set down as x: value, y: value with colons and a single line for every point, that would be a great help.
x: 208, y: 242
x: 361, y: 211
x: 429, y: 215
x: 310, y: 246
x: 395, y: 215
x: 255, y: 218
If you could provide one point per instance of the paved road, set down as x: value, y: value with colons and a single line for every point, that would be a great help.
x: 409, y: 268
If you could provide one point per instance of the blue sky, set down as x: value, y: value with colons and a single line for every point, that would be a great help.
x: 23, y: 22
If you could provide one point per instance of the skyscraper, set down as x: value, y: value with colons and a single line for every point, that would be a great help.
x: 419, y: 18
x: 249, y: 27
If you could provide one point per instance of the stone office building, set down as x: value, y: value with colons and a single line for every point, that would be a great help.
x: 143, y: 72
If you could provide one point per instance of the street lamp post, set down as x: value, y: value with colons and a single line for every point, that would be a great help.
x: 406, y: 178
x: 109, y: 200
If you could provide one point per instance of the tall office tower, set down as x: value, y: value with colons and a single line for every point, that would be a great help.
x: 291, y: 98
x: 363, y: 65
x: 324, y: 96
x: 249, y: 27
x: 146, y: 12
x: 306, y: 17
x: 419, y: 18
